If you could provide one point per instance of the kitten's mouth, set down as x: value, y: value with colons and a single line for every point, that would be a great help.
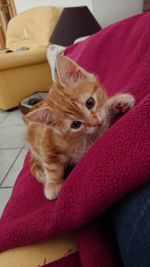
x: 94, y: 128
x: 97, y: 124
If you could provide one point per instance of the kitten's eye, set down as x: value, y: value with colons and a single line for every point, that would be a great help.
x: 90, y: 103
x: 76, y: 124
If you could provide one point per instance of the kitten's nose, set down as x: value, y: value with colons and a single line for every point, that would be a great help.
x: 97, y: 124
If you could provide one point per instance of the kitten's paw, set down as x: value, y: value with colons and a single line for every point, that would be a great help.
x: 40, y: 176
x: 122, y: 103
x: 52, y: 190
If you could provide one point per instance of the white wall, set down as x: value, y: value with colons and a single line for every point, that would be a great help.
x: 109, y: 11
x: 105, y: 11
x: 22, y: 5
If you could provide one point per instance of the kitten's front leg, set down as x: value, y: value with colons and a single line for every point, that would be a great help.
x: 37, y: 170
x: 54, y: 173
x: 117, y: 105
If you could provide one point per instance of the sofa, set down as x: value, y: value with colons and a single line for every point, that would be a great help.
x: 74, y: 230
x: 24, y: 69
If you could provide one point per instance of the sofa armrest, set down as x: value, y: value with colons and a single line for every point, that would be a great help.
x: 22, y: 58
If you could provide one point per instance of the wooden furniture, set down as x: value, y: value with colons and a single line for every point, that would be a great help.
x: 7, y: 11
x: 2, y: 38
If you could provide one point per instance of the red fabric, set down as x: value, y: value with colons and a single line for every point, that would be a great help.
x: 118, y: 163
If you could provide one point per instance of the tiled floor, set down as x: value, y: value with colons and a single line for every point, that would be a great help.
x: 12, y: 151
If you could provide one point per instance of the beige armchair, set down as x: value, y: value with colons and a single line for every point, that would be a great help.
x: 25, y: 70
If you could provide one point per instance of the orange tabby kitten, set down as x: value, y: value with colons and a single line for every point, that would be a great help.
x: 64, y: 125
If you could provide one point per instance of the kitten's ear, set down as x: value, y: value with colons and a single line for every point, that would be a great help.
x: 40, y: 116
x: 68, y: 71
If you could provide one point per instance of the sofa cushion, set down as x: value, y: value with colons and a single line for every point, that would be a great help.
x: 32, y: 28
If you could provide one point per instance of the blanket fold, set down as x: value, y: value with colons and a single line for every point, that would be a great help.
x: 117, y: 164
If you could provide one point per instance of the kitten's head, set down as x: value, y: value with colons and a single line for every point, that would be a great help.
x: 74, y: 103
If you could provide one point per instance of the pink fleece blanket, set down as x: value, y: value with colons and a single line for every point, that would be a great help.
x: 118, y: 163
